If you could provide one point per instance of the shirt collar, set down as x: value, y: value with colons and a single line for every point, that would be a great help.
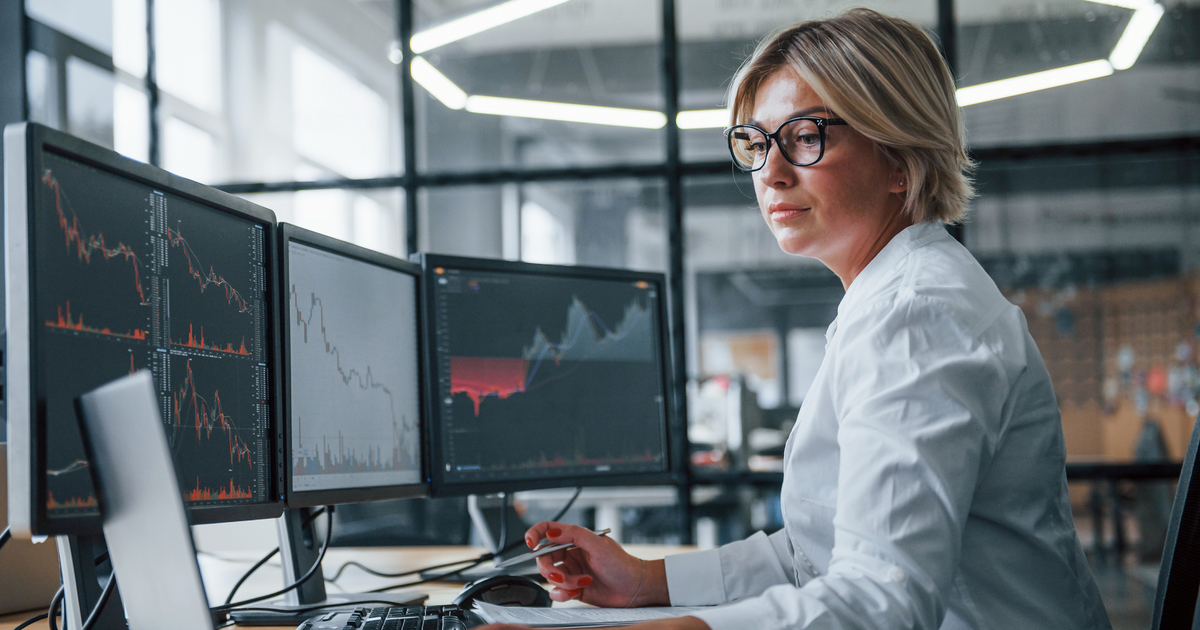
x: 868, y: 282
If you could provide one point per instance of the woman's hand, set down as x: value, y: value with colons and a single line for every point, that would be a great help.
x: 598, y: 572
x: 678, y: 623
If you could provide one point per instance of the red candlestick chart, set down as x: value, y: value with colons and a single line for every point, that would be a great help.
x: 191, y: 409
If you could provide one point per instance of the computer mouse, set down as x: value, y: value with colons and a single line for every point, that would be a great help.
x: 504, y: 590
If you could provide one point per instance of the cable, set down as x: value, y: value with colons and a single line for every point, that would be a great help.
x: 5, y: 536
x: 247, y: 574
x: 475, y: 561
x: 52, y: 613
x: 324, y: 606
x: 566, y: 507
x: 94, y: 616
x: 257, y: 565
x: 369, y: 570
x: 31, y: 621
x: 304, y: 578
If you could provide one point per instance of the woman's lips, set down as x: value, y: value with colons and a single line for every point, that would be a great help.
x: 785, y: 212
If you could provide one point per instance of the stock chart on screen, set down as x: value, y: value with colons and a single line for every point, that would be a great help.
x: 353, y: 371
x: 544, y: 376
x: 127, y: 278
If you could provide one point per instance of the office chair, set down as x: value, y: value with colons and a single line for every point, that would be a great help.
x: 1179, y: 573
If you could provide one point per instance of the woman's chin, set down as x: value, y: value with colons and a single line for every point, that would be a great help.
x: 794, y: 245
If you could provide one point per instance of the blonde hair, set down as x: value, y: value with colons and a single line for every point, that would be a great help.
x: 887, y: 79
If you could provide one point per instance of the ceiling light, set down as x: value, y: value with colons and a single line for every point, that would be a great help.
x: 1026, y: 83
x: 440, y: 86
x: 477, y: 22
x: 703, y: 119
x: 568, y: 112
x: 1137, y: 33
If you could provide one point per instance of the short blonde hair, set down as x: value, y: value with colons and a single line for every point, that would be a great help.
x: 887, y: 79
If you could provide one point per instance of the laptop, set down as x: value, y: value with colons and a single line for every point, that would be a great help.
x: 28, y: 572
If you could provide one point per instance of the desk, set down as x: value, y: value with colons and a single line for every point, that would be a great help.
x: 220, y: 573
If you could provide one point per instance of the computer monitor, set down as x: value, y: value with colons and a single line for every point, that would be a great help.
x: 114, y: 266
x: 545, y: 376
x: 352, y: 372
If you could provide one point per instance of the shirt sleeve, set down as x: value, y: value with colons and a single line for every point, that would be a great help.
x: 918, y: 398
x: 741, y: 569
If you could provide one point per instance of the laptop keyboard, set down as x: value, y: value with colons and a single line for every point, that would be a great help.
x: 449, y: 617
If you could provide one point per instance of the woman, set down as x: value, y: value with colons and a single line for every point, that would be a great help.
x: 924, y: 484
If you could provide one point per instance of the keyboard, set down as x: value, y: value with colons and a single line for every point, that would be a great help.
x: 448, y: 617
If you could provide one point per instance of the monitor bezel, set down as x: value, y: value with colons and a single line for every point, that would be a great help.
x: 289, y: 233
x: 23, y: 145
x: 439, y: 487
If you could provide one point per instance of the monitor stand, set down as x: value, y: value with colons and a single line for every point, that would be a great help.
x: 299, y: 548
x: 483, y: 529
x: 83, y: 584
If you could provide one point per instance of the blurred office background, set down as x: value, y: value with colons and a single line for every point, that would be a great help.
x: 1088, y: 215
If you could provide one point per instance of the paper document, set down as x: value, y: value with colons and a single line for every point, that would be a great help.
x: 578, y: 617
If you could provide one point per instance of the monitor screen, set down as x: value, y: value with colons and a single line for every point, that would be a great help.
x: 129, y: 268
x: 545, y: 376
x: 353, y: 373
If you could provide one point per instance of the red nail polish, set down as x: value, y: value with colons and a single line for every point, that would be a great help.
x: 556, y: 577
x: 575, y: 593
x: 553, y: 533
x: 585, y: 580
x: 529, y: 543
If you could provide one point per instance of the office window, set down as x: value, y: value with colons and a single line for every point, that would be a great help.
x: 1127, y: 73
x: 497, y: 98
x: 612, y: 223
x: 188, y: 51
x: 131, y: 122
x: 39, y: 89
x: 90, y: 102
x: 189, y: 151
x: 336, y: 120
x: 312, y: 85
x: 369, y: 218
x: 129, y: 36
x: 89, y: 21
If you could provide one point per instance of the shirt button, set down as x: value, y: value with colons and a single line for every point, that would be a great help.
x: 897, y: 575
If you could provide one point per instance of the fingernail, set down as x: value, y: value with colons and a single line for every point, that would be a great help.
x: 553, y: 533
x: 585, y: 580
x: 529, y: 543
x: 575, y: 593
x: 556, y: 577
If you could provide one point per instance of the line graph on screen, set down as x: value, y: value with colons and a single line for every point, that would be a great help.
x: 380, y: 437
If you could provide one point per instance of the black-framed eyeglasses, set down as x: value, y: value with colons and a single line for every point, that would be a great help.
x: 801, y: 140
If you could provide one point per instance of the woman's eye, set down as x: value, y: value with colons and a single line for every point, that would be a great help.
x: 808, y: 139
x: 758, y: 147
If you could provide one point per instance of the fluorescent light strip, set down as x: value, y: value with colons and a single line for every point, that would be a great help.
x: 1033, y: 82
x: 568, y: 112
x: 438, y: 84
x: 1137, y: 33
x: 478, y: 22
x: 703, y: 119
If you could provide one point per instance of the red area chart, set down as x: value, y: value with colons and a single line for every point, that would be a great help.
x: 479, y: 377
x: 198, y: 493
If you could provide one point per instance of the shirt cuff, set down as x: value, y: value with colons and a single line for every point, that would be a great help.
x: 694, y: 579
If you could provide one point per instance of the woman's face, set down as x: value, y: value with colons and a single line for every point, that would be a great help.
x: 836, y: 209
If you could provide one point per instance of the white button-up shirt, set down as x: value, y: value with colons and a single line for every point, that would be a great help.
x: 924, y: 484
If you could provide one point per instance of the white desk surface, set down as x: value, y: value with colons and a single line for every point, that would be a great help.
x: 222, y: 571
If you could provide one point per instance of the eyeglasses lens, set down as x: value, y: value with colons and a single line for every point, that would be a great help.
x: 801, y: 139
